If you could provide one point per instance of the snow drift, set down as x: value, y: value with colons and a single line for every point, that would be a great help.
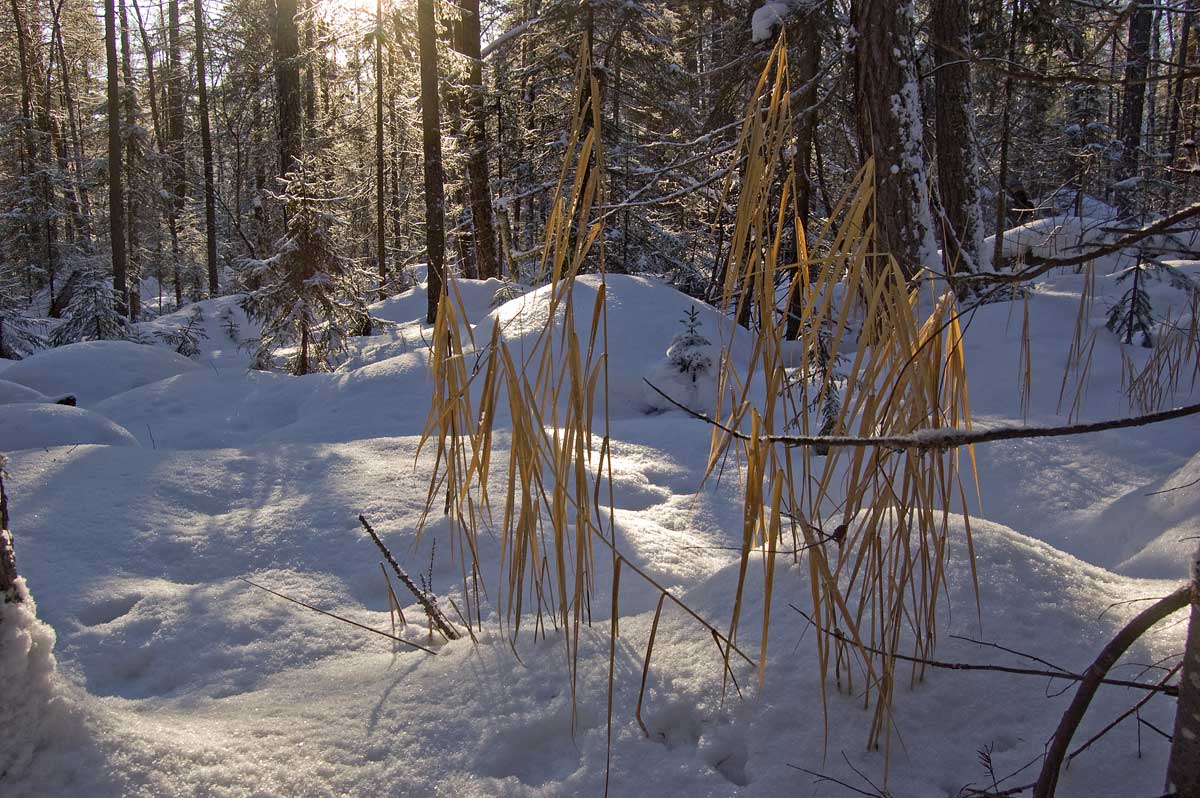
x: 30, y: 425
x: 96, y: 370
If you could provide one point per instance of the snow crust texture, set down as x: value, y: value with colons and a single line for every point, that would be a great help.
x: 176, y: 678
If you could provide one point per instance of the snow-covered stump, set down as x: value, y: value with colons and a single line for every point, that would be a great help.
x: 8, y: 557
x: 26, y: 660
x: 1183, y: 768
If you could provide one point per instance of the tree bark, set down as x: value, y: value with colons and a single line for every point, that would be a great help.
x: 131, y: 229
x: 210, y: 203
x: 954, y: 127
x: 1005, y: 130
x: 1185, y: 35
x: 1134, y: 100
x: 176, y: 165
x: 431, y: 133
x: 287, y: 84
x: 116, y: 200
x: 478, y: 189
x: 806, y: 135
x: 380, y: 224
x: 890, y: 130
x: 1183, y: 767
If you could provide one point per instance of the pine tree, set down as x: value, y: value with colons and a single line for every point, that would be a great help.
x: 310, y: 295
x: 95, y: 312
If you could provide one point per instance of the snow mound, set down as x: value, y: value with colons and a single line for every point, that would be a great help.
x: 476, y: 297
x: 383, y: 399
x: 1154, y: 527
x: 643, y: 319
x: 11, y: 392
x: 220, y: 326
x: 27, y: 425
x: 1054, y: 237
x: 202, y: 410
x: 96, y: 370
x: 26, y: 669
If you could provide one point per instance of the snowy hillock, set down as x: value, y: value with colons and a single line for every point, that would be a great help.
x: 643, y: 319
x: 221, y: 331
x: 96, y: 370
x: 1054, y: 237
x: 192, y: 682
x: 30, y: 425
x: 1152, y: 529
x: 13, y: 392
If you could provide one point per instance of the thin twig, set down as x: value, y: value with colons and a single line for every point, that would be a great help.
x: 949, y: 437
x: 435, y: 615
x: 1141, y: 623
x: 1043, y: 265
x: 339, y: 617
x: 967, y: 666
x: 1141, y: 703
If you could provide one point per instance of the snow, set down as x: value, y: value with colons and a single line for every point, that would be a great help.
x: 26, y: 684
x: 224, y: 331
x: 765, y: 18
x: 13, y: 392
x: 30, y: 425
x: 176, y: 678
x: 644, y: 317
x: 96, y: 370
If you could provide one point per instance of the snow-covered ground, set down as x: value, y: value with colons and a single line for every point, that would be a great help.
x: 175, y: 678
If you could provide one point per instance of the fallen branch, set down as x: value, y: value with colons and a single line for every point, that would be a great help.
x: 967, y: 666
x: 933, y: 439
x: 427, y: 602
x: 1040, y: 266
x: 1093, y: 678
x: 336, y: 617
x: 1141, y: 703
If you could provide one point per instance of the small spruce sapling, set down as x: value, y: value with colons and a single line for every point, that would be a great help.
x: 229, y: 325
x: 186, y: 339
x: 1133, y: 313
x: 685, y: 374
x: 93, y: 313
x: 690, y: 352
x: 310, y: 295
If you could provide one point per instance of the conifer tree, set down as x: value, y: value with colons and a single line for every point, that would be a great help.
x: 311, y: 296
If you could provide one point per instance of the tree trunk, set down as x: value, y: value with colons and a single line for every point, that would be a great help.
x: 116, y: 200
x: 435, y: 223
x: 310, y: 83
x: 131, y: 230
x: 176, y: 166
x: 210, y: 202
x: 1183, y: 767
x: 287, y: 84
x: 958, y: 177
x: 1185, y: 35
x: 1134, y: 100
x: 806, y: 135
x: 478, y: 189
x: 380, y: 224
x: 890, y: 130
x: 85, y: 206
x: 1005, y: 130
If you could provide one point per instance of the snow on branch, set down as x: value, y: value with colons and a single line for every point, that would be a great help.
x: 949, y: 437
x: 1039, y: 266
